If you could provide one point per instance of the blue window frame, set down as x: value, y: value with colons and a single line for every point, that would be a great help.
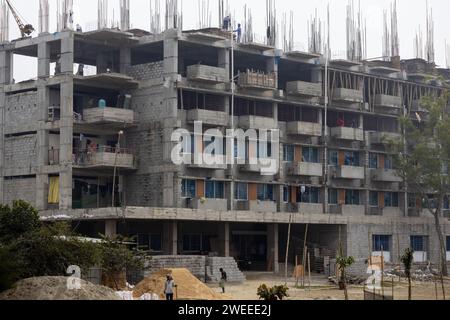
x: 332, y: 196
x: 391, y: 199
x: 351, y: 159
x: 265, y: 192
x: 373, y: 199
x: 448, y: 244
x: 333, y: 158
x: 241, y: 191
x: 381, y: 243
x: 418, y: 243
x: 288, y: 153
x: 188, y: 188
x: 311, y: 195
x: 310, y: 154
x: 214, y: 190
x: 286, y: 194
x: 352, y: 197
x: 373, y: 161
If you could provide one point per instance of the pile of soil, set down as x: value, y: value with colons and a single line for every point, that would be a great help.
x: 55, y: 288
x: 188, y: 286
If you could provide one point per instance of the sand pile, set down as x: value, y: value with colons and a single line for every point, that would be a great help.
x: 55, y: 288
x: 189, y: 287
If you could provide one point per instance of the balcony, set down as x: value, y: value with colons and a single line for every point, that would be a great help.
x: 387, y: 104
x: 104, y: 158
x: 348, y: 172
x: 209, y: 204
x: 208, y: 117
x: 260, y: 166
x: 381, y: 138
x: 416, y: 106
x: 256, y: 122
x: 306, y: 169
x: 345, y: 133
x: 258, y: 80
x: 301, y: 128
x: 374, y: 211
x: 385, y: 175
x: 109, y: 116
x: 256, y: 206
x: 209, y: 162
x: 304, y: 89
x: 348, y: 95
x: 347, y: 210
x: 306, y: 208
x: 207, y: 74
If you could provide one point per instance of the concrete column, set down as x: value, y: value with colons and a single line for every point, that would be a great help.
x: 272, y: 66
x: 2, y: 137
x: 110, y: 228
x: 224, y: 62
x: 224, y: 239
x: 43, y: 59
x: 66, y: 144
x: 43, y: 147
x: 67, y: 54
x: 125, y: 59
x: 174, y: 237
x: 272, y: 246
x: 168, y: 194
x: 6, y: 67
x: 316, y: 75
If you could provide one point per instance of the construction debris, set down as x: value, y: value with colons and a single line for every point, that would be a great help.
x: 188, y: 286
x: 55, y: 288
x: 353, y: 280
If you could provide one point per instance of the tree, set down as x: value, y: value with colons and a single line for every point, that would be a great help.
x: 422, y: 156
x: 407, y: 260
x: 17, y: 220
x: 343, y: 263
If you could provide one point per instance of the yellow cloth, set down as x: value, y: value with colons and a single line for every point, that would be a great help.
x: 53, y: 190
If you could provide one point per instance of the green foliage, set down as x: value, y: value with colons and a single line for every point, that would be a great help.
x: 407, y: 259
x: 344, y: 262
x: 10, y: 269
x: 272, y: 294
x: 17, y: 220
x: 117, y: 257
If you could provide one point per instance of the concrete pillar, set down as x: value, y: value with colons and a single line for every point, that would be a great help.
x: 2, y: 137
x: 168, y: 187
x: 66, y: 144
x: 6, y: 67
x: 43, y: 59
x: 224, y: 62
x: 174, y: 238
x: 110, y: 228
x: 125, y: 59
x: 272, y: 246
x: 316, y: 75
x: 224, y: 239
x: 67, y: 54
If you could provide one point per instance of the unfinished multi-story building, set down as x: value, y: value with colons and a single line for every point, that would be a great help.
x: 96, y: 149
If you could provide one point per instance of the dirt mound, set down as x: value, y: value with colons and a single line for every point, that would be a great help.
x: 189, y: 287
x: 55, y: 288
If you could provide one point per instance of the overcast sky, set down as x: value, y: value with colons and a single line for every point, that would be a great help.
x: 411, y: 14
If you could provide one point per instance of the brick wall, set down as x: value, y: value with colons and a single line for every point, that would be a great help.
x: 21, y: 109
x: 20, y: 189
x: 20, y: 154
x: 147, y: 71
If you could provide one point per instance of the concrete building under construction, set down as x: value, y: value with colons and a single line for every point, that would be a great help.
x: 96, y: 149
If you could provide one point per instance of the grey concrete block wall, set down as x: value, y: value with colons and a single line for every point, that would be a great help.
x: 20, y: 155
x: 147, y: 71
x: 20, y: 189
x: 199, y: 266
x: 21, y: 110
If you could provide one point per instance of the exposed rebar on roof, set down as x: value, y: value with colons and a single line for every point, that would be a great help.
x: 4, y: 21
x: 43, y: 16
x: 102, y: 14
x: 124, y: 15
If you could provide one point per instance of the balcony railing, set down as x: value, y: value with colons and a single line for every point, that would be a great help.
x: 346, y: 133
x: 304, y: 128
x: 305, y: 89
x: 258, y: 80
x: 207, y: 74
x: 348, y: 172
x: 305, y: 169
x: 208, y: 117
x: 104, y: 156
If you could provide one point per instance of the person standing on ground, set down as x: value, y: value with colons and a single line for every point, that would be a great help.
x: 223, y: 279
x: 168, y: 288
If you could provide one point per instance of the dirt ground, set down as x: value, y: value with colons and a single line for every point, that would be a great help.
x: 321, y: 289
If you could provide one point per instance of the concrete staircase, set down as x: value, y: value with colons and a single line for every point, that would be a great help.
x: 229, y: 265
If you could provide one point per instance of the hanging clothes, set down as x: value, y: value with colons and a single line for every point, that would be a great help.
x: 53, y: 190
